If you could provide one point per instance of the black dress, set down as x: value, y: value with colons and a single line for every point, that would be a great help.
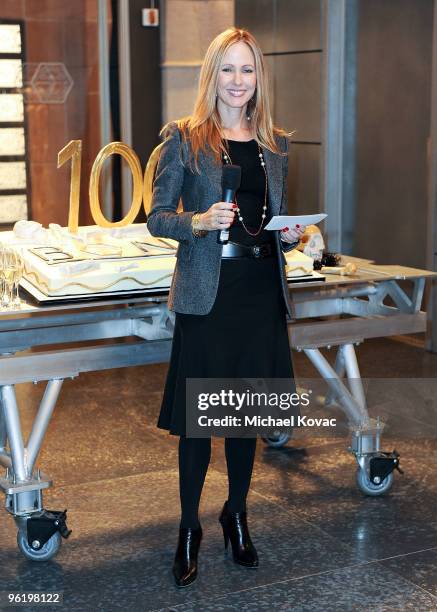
x: 245, y: 333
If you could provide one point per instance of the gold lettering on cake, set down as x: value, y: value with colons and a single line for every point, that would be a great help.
x: 73, y: 151
x: 137, y: 182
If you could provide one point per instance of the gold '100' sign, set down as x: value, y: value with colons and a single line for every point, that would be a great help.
x: 73, y: 151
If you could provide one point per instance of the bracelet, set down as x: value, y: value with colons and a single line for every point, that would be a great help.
x: 199, y: 233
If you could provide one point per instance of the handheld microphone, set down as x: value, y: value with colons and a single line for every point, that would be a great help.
x: 231, y: 179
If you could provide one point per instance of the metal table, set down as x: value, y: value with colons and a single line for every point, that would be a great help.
x: 338, y: 312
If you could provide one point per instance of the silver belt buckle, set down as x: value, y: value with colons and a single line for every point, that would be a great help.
x: 261, y: 250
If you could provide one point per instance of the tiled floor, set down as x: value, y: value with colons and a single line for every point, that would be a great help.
x: 322, y: 544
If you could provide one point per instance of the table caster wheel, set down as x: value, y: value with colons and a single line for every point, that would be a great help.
x: 277, y: 439
x: 370, y: 488
x: 46, y: 552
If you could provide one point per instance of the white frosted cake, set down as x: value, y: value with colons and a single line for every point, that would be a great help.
x: 96, y: 260
x: 298, y: 264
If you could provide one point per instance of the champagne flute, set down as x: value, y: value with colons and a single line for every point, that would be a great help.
x: 3, y: 286
x: 2, y: 278
x: 19, y: 264
x: 9, y: 274
x: 19, y: 276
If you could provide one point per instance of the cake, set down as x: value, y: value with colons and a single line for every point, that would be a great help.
x: 96, y: 260
x: 298, y: 264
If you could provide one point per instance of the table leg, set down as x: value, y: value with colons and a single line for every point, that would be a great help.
x: 13, y: 429
x: 352, y: 408
x: 340, y: 369
x: 42, y: 420
x: 39, y: 530
x: 5, y: 458
x: 354, y: 376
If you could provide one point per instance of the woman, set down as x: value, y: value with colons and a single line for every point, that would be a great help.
x: 230, y: 301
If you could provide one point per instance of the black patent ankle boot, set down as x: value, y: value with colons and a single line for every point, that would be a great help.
x: 185, y: 561
x: 235, y: 529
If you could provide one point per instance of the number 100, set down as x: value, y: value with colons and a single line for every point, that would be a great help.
x: 73, y: 151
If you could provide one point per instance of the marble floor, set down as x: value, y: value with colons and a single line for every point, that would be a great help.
x: 323, y: 545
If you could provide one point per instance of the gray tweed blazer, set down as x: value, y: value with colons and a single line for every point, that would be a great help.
x: 195, y: 279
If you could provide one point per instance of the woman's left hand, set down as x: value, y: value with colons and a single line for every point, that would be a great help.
x: 293, y: 234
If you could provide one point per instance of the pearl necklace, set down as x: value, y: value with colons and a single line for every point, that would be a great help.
x: 228, y: 160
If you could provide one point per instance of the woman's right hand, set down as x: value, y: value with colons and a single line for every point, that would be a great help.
x: 219, y: 216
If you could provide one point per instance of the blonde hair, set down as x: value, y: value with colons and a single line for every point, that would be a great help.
x: 203, y: 127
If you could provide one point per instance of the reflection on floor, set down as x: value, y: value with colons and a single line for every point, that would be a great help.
x: 322, y: 544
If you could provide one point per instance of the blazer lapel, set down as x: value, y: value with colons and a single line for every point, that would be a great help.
x: 213, y: 172
x: 274, y: 179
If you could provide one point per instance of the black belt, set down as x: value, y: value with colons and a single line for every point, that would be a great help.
x: 233, y: 249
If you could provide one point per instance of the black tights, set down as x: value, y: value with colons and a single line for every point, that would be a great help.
x: 194, y: 457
